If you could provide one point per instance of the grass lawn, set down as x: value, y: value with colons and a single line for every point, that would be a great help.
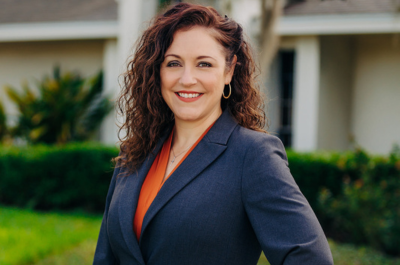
x: 28, y: 237
x: 343, y: 254
x: 346, y: 254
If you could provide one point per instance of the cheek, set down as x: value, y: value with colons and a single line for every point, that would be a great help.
x: 168, y: 79
x: 165, y: 84
x: 163, y: 93
x: 214, y: 82
x: 163, y: 78
x: 166, y: 96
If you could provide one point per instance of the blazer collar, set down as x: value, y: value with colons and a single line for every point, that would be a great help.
x: 222, y: 128
x: 129, y: 198
x: 207, y: 150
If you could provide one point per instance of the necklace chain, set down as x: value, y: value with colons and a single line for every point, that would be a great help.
x: 175, y: 156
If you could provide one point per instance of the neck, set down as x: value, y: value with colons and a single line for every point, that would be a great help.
x: 186, y: 132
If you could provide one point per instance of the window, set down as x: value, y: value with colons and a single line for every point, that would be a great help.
x: 286, y: 71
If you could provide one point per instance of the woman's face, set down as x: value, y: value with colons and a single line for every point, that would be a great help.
x: 193, y: 75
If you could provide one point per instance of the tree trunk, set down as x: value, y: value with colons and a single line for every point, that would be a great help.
x: 268, y: 39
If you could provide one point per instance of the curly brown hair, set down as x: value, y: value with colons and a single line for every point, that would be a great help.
x: 146, y: 113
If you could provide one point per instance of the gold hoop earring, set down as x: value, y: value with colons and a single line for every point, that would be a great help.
x: 230, y: 91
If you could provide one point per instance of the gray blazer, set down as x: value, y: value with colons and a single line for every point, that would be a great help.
x: 232, y: 197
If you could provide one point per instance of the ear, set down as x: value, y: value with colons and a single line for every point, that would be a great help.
x: 228, y: 77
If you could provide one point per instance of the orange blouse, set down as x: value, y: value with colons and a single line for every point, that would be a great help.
x: 154, y: 180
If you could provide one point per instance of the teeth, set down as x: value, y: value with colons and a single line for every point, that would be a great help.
x: 189, y: 95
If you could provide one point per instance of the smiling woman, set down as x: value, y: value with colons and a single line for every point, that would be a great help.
x: 198, y: 180
x: 194, y: 72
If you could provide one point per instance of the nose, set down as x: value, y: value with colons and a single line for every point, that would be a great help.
x: 187, y: 78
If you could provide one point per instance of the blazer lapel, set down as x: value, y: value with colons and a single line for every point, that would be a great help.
x: 130, y: 196
x: 208, y: 149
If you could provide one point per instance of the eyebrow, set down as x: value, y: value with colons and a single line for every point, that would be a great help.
x: 199, y: 57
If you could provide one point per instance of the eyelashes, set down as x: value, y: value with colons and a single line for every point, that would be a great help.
x: 205, y: 64
x: 178, y: 64
x: 173, y: 64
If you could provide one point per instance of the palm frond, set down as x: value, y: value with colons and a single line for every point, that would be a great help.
x: 65, y: 108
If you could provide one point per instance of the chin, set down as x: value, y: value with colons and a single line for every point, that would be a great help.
x: 187, y: 116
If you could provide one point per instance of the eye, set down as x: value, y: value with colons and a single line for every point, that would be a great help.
x: 205, y: 64
x: 173, y: 64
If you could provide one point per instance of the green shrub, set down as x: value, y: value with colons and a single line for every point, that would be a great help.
x: 314, y: 171
x: 65, y: 108
x: 355, y: 196
x: 51, y: 177
x: 3, y: 121
x: 77, y: 175
x: 317, y: 171
x: 368, y: 209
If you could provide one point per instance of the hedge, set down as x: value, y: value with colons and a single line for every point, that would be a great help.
x: 367, y: 211
x: 78, y: 175
x: 51, y: 177
x: 356, y: 197
x: 325, y: 170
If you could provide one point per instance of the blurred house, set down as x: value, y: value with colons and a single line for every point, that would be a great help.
x: 84, y: 36
x: 335, y: 79
x: 337, y: 75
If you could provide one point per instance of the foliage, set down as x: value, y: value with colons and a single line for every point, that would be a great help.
x: 354, y: 195
x: 347, y: 254
x: 27, y: 237
x: 313, y: 171
x: 343, y: 254
x: 3, y: 120
x: 71, y: 239
x: 367, y: 211
x: 53, y: 177
x: 65, y: 108
x: 317, y: 171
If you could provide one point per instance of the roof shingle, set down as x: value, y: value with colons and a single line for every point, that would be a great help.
x: 24, y: 11
x: 320, y: 7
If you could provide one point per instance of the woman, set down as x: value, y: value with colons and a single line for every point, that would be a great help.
x: 198, y: 181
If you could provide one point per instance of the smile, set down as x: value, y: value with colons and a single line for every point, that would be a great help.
x: 189, y: 95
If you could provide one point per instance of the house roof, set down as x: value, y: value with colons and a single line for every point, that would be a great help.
x: 24, y: 11
x: 321, y: 7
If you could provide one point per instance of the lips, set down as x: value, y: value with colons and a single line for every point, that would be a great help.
x: 188, y: 96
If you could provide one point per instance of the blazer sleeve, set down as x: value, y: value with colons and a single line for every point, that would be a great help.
x: 104, y: 254
x: 283, y: 221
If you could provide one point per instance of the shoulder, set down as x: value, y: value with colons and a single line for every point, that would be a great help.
x: 258, y: 143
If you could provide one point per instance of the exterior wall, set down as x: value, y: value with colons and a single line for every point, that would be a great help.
x: 306, y: 93
x: 335, y: 92
x: 376, y: 108
x: 272, y: 94
x: 111, y: 67
x: 32, y: 60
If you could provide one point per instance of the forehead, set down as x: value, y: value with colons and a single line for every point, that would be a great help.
x: 196, y: 40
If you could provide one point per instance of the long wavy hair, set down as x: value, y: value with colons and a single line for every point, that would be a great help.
x: 146, y: 115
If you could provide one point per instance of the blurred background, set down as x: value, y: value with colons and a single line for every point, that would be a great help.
x: 330, y: 72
